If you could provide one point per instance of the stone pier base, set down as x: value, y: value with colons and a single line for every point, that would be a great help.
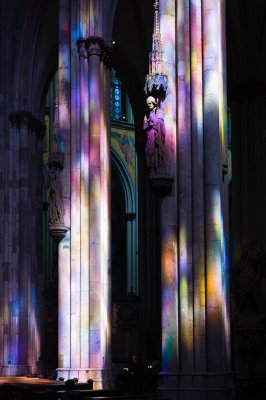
x: 196, y: 386
x: 16, y: 370
x: 102, y: 378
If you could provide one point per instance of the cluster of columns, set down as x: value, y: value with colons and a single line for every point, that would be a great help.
x: 21, y: 273
x: 195, y: 314
x: 84, y: 253
x: 195, y: 320
x: 195, y: 317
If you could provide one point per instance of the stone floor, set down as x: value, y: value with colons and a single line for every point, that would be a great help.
x: 38, y: 386
x: 244, y: 390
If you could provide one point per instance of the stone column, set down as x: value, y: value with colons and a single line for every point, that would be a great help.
x: 64, y: 274
x: 195, y: 315
x: 169, y: 246
x: 131, y: 253
x: 84, y: 254
x: 84, y: 185
x: 216, y: 199
x: 20, y: 275
x: 198, y: 245
x: 99, y: 210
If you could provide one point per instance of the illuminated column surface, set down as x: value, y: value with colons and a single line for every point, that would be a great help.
x: 84, y: 254
x: 195, y: 314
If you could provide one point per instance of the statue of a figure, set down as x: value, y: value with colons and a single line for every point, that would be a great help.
x: 247, y: 277
x: 249, y: 315
x: 154, y: 126
x: 55, y: 200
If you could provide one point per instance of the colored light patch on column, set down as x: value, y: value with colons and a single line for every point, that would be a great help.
x: 34, y: 328
x: 225, y: 292
x: 169, y: 300
x: 75, y: 33
x: 105, y: 238
x: 196, y: 65
x: 214, y: 277
x: 84, y: 100
x: 84, y: 19
x: 184, y: 293
x: 95, y: 204
x: 78, y: 86
x: 82, y: 208
x: 167, y: 30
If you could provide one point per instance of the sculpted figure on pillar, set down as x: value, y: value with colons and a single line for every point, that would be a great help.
x: 55, y: 200
x: 155, y: 129
x: 249, y: 305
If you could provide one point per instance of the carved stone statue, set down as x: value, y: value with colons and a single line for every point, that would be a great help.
x: 247, y: 275
x: 249, y: 316
x: 55, y: 200
x: 154, y: 126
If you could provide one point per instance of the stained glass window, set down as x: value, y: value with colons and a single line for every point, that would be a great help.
x: 121, y: 111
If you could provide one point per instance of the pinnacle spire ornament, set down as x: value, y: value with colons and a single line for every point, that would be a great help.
x: 156, y: 81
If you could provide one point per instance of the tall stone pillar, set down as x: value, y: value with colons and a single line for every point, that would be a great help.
x: 132, y: 277
x: 19, y: 306
x: 195, y: 314
x: 64, y: 272
x: 84, y: 253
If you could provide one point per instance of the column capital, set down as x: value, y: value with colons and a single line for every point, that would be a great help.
x: 95, y: 46
x: 20, y: 118
x: 81, y: 48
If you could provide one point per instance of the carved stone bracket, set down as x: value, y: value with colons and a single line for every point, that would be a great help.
x: 58, y: 232
x: 161, y: 183
x: 95, y: 46
x: 25, y: 118
x: 156, y: 86
x: 56, y: 159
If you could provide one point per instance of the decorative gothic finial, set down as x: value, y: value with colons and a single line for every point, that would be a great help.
x: 55, y: 138
x: 155, y: 88
x: 56, y: 111
x: 156, y: 81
